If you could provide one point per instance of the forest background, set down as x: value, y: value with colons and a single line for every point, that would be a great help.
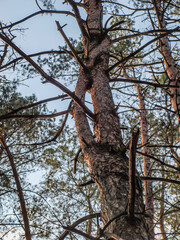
x: 40, y: 139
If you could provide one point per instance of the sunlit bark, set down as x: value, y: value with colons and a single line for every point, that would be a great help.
x: 171, y: 67
x: 105, y: 155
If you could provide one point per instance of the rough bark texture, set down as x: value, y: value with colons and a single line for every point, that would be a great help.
x: 148, y: 189
x: 171, y: 67
x: 105, y: 154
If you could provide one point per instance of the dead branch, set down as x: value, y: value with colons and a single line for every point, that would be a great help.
x: 60, y: 29
x: 33, y: 105
x: 47, y: 77
x: 160, y: 179
x: 95, y: 215
x: 37, y: 13
x: 28, y: 116
x: 140, y: 49
x: 132, y: 174
x: 132, y: 80
x: 19, y: 190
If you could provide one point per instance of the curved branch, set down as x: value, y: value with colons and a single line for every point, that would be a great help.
x: 95, y: 215
x: 37, y: 13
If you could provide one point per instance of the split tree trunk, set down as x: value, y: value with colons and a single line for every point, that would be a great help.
x: 105, y: 154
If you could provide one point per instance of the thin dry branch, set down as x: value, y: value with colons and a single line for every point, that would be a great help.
x: 160, y: 180
x: 76, y: 159
x: 78, y: 18
x: 60, y: 29
x: 37, y: 13
x: 133, y: 80
x: 28, y: 116
x: 14, y: 61
x: 32, y: 105
x: 19, y: 190
x: 47, y: 77
x: 158, y: 160
x: 79, y: 232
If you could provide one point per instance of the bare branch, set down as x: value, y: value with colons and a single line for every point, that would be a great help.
x: 19, y: 189
x: 47, y: 77
x: 60, y: 29
x: 160, y: 180
x: 140, y: 49
x: 43, y: 116
x: 78, y: 18
x: 133, y: 80
x: 37, y: 13
x: 76, y: 159
x: 32, y: 105
x: 95, y: 215
x: 81, y: 233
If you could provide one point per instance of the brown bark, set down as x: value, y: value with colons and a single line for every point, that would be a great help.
x: 171, y: 67
x: 19, y: 190
x: 105, y: 155
x: 161, y: 220
x: 148, y: 189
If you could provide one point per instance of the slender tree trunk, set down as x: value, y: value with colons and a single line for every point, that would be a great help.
x: 171, y: 67
x: 105, y: 155
x: 161, y: 220
x: 148, y: 188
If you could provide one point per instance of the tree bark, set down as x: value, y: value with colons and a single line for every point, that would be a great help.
x: 105, y: 154
x: 171, y: 67
x: 148, y: 188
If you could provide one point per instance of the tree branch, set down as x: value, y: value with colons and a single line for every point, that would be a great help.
x: 32, y: 105
x: 139, y: 50
x: 60, y: 29
x: 132, y: 80
x: 160, y: 179
x: 19, y: 189
x: 95, y: 215
x: 47, y: 77
x: 37, y: 13
x: 43, y: 116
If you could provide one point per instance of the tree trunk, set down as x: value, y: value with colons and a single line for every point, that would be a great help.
x: 148, y: 189
x: 105, y: 154
x: 171, y: 67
